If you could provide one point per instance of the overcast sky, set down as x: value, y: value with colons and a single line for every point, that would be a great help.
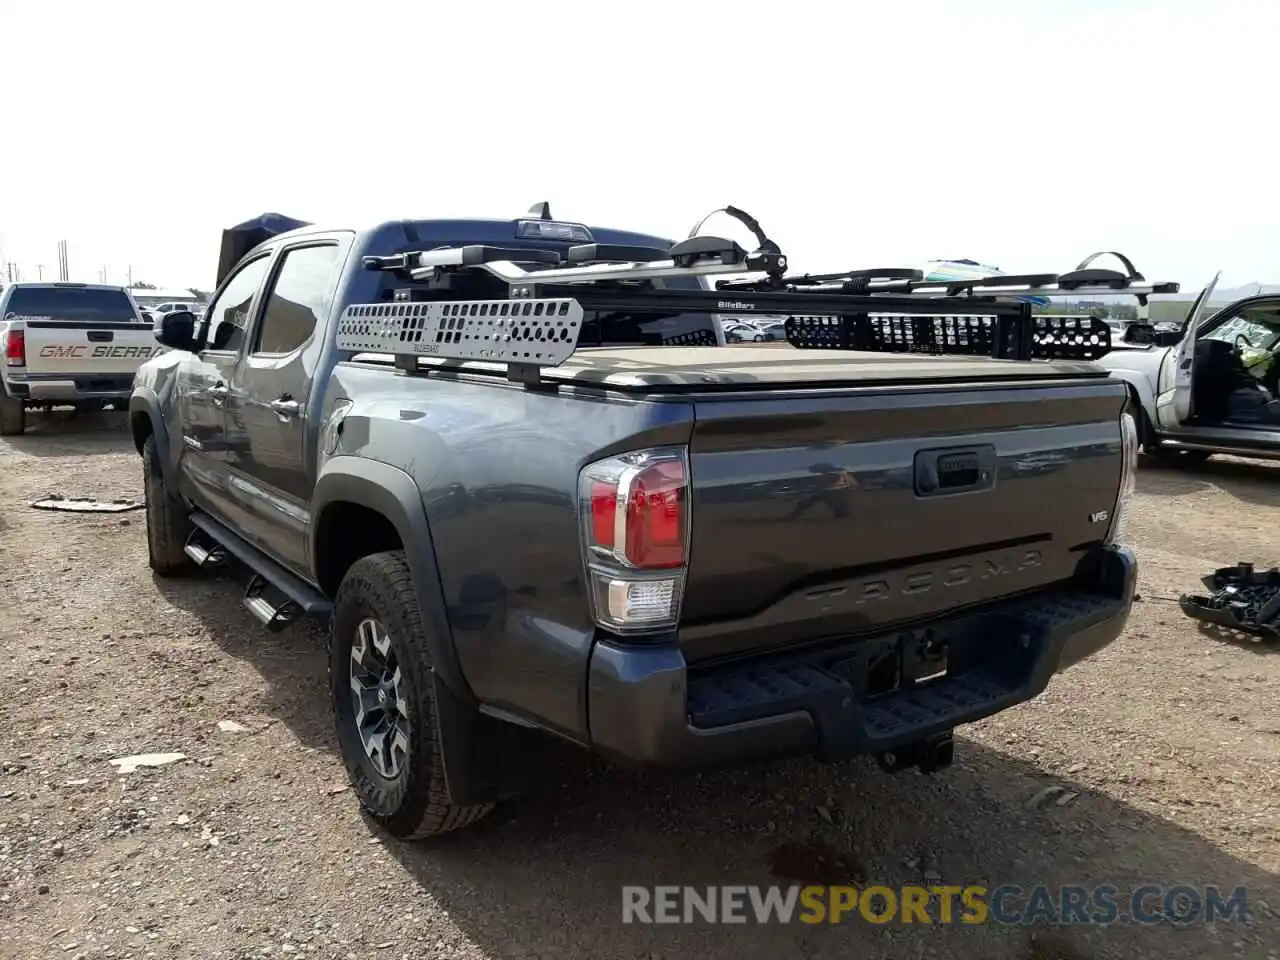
x: 1024, y: 133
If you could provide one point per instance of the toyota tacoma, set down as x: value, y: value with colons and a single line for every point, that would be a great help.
x: 515, y: 468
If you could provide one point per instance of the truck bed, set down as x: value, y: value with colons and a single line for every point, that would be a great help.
x: 699, y: 369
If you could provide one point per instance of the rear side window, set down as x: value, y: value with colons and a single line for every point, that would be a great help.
x: 69, y: 304
x: 303, y: 292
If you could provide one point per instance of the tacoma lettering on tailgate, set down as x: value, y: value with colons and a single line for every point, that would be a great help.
x: 946, y: 575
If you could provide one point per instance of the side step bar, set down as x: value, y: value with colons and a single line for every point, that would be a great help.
x: 1227, y: 448
x: 274, y: 596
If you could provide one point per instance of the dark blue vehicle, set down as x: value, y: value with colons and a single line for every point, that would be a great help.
x: 515, y: 467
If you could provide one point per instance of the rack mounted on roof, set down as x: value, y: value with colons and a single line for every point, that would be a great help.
x: 549, y: 293
x: 1084, y: 279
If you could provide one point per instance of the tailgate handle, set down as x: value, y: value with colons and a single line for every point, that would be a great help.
x: 954, y: 470
x: 101, y: 336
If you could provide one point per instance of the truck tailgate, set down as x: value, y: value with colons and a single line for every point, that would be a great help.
x: 88, y: 347
x: 856, y: 510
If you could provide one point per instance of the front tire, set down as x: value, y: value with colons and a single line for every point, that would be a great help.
x: 168, y: 525
x: 381, y: 682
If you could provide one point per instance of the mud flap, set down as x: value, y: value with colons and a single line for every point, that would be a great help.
x: 485, y: 759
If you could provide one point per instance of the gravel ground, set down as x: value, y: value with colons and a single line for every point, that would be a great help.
x: 1163, y: 754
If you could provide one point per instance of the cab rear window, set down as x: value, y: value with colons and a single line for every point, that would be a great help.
x: 69, y: 304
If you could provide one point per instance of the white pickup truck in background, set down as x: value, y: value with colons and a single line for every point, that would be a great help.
x: 68, y: 344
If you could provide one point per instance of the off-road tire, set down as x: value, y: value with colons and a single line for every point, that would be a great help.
x: 13, y: 416
x: 168, y: 524
x: 415, y: 805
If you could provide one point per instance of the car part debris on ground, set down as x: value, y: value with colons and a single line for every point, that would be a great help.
x: 1241, y: 599
x: 56, y: 501
x: 132, y: 763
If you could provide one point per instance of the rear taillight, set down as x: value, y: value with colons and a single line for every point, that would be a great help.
x: 1129, y: 442
x: 635, y: 528
x: 15, y: 348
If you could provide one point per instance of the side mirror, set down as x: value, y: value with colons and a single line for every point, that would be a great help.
x: 1168, y: 338
x: 1139, y: 333
x: 177, y: 330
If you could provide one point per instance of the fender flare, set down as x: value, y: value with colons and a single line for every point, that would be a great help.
x: 391, y: 492
x: 143, y: 400
x: 1140, y: 384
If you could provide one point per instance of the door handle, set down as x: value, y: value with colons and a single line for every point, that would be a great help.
x: 285, y: 408
x: 218, y: 392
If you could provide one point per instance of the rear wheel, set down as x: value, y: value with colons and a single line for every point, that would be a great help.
x: 381, y: 682
x: 168, y: 524
x: 13, y: 416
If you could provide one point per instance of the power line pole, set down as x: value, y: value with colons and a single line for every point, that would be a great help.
x: 39, y: 271
x: 64, y: 268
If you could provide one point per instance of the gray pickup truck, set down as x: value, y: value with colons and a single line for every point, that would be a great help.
x: 516, y: 467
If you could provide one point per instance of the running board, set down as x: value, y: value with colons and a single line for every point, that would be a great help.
x: 275, y: 597
x: 1225, y: 448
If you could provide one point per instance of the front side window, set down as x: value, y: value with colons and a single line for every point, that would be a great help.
x: 300, y: 297
x: 228, y: 315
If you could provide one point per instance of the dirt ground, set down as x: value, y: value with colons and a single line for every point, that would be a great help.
x: 1166, y: 750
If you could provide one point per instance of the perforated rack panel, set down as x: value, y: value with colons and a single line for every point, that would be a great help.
x: 972, y: 335
x: 1052, y: 337
x: 695, y: 338
x: 1069, y: 338
x: 542, y: 332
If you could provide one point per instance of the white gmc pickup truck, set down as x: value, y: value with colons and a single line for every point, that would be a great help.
x: 68, y: 344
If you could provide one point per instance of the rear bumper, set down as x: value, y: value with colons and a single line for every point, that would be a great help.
x: 61, y: 388
x: 646, y: 706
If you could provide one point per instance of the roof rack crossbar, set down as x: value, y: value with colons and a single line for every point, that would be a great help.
x: 850, y: 280
x: 1014, y: 286
x: 473, y: 255
x: 1083, y: 280
x: 507, y: 268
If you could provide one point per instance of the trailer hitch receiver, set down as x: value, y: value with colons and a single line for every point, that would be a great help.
x: 929, y: 755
